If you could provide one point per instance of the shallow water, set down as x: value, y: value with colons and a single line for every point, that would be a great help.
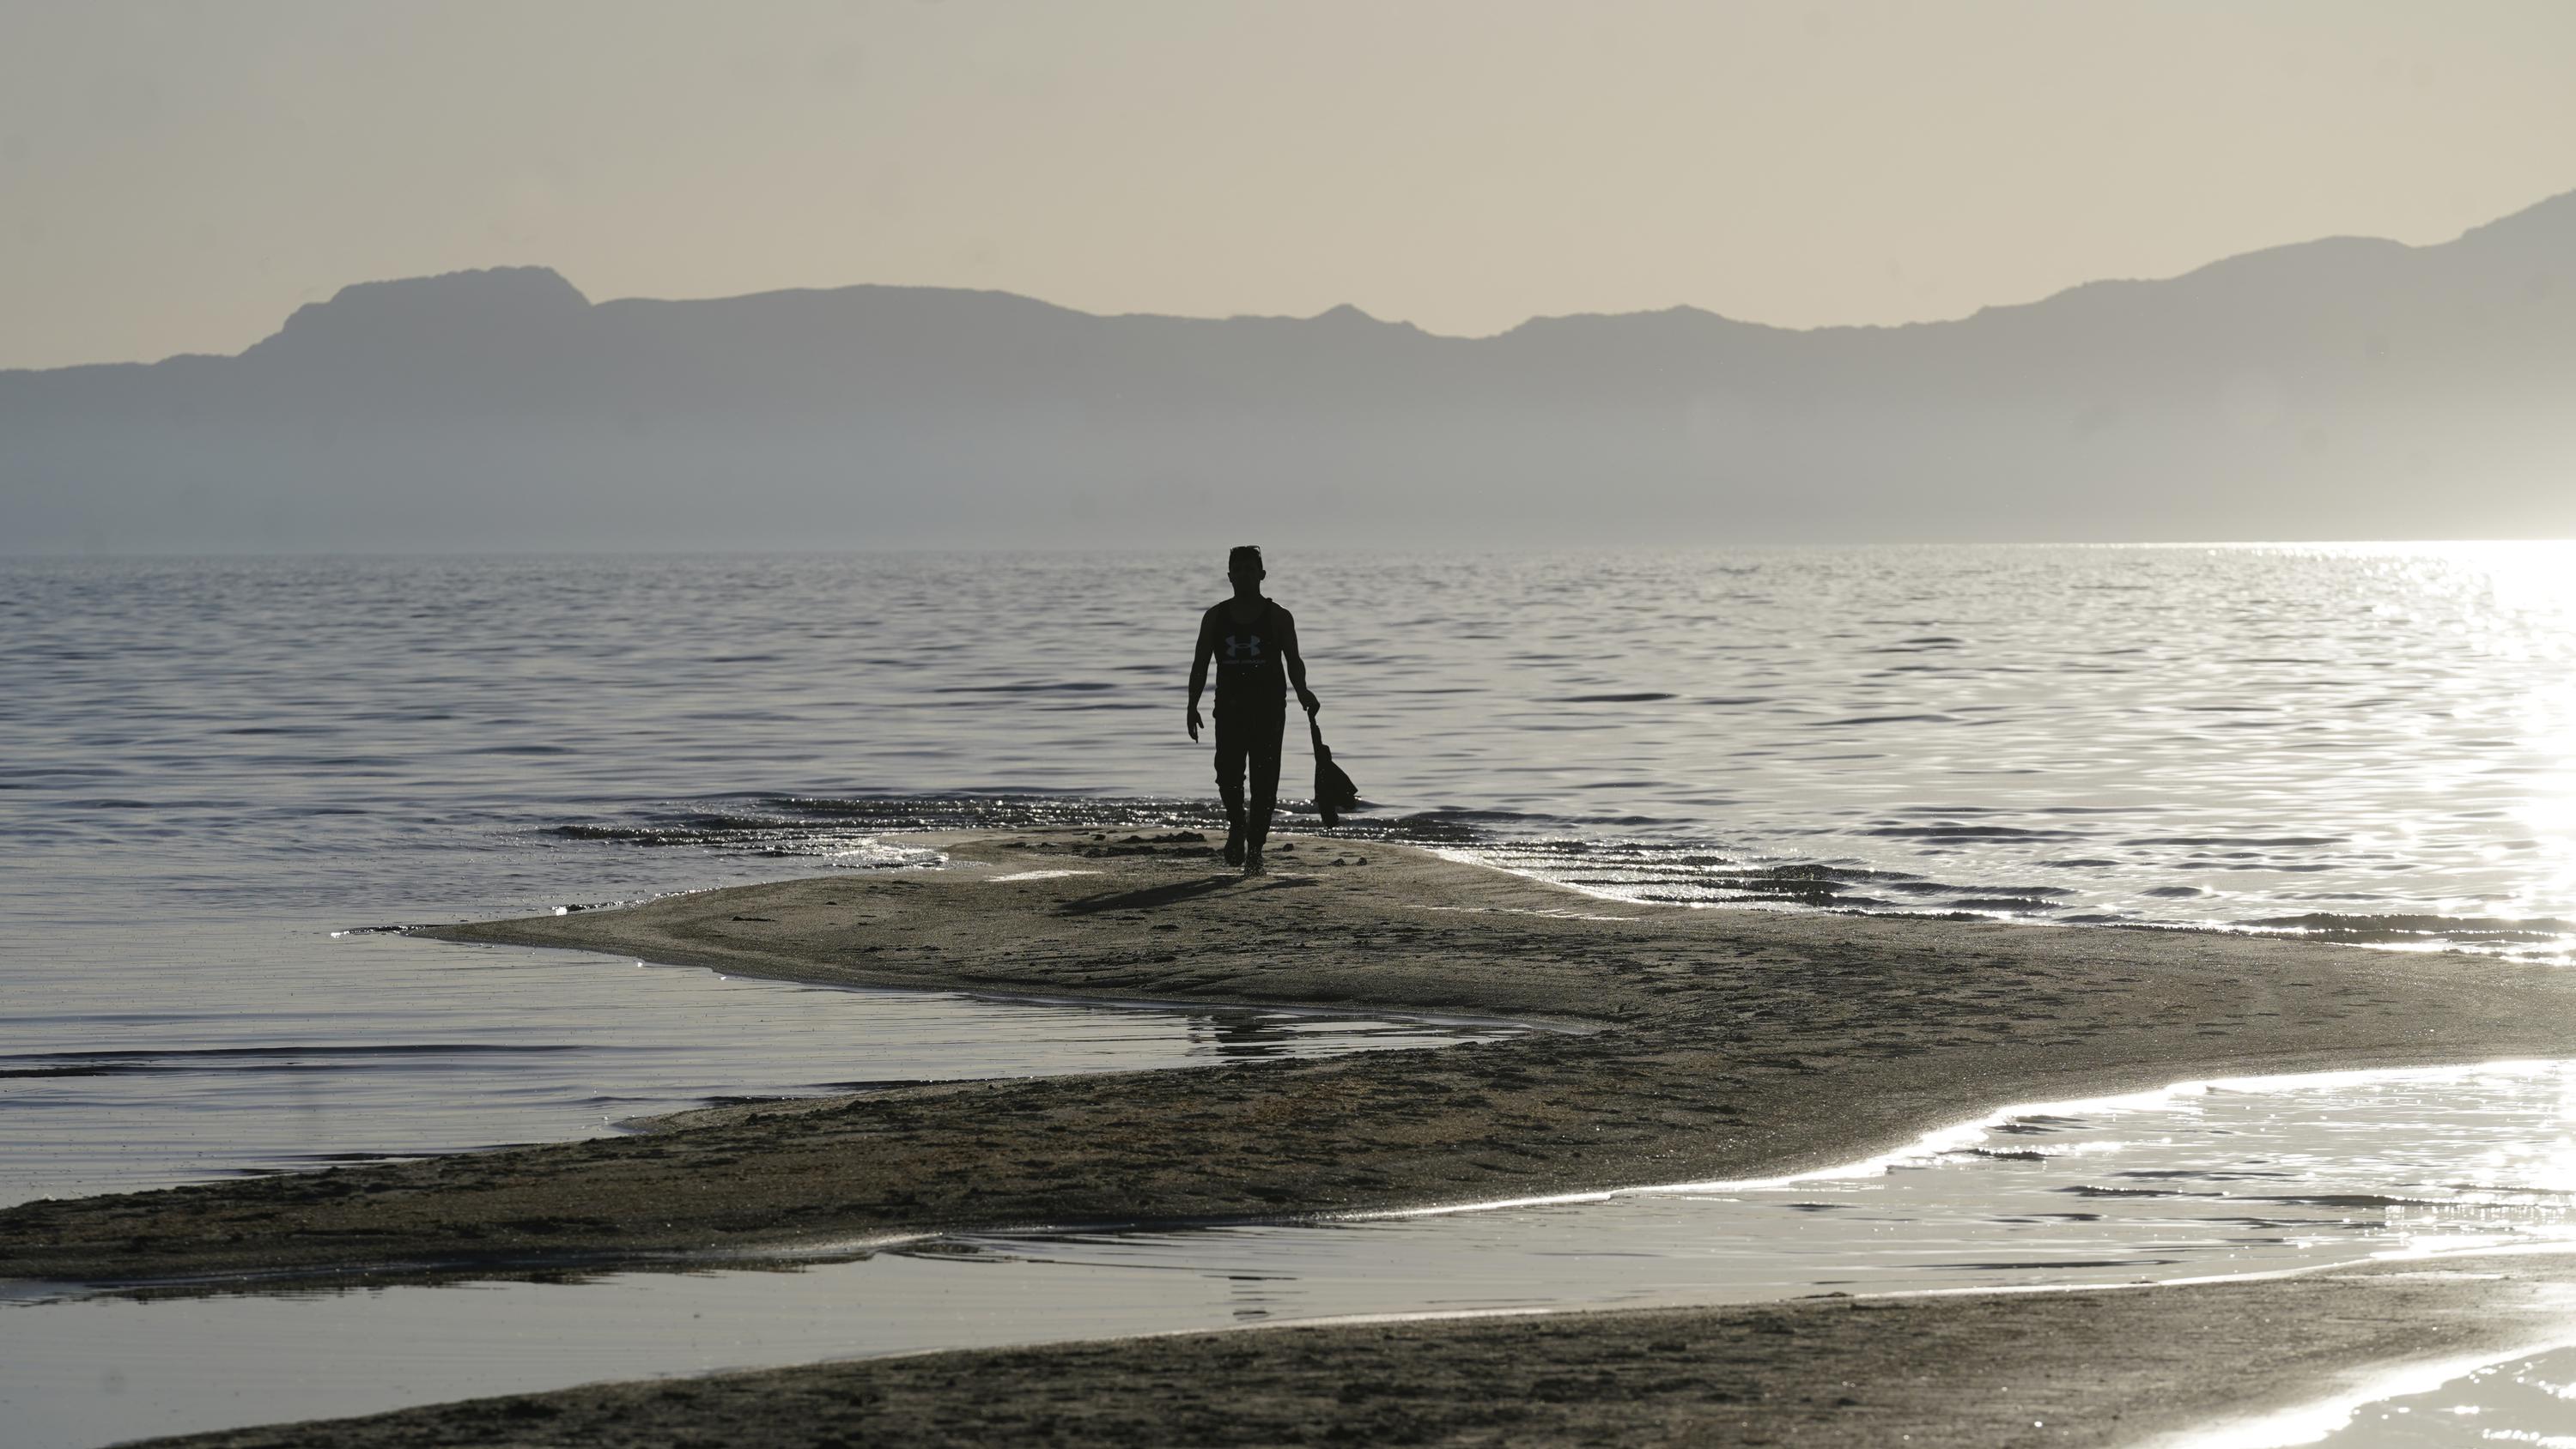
x: 2246, y: 1176
x: 416, y: 1047
x: 2525, y: 1395
x: 2525, y: 1400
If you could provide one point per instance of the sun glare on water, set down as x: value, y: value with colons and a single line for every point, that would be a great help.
x: 2531, y: 593
x: 2517, y: 601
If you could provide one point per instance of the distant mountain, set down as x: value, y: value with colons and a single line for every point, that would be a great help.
x: 2336, y: 389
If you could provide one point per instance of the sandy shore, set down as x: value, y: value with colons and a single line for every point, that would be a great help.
x: 1711, y: 1044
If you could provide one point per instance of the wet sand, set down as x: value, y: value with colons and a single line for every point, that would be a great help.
x: 1702, y: 1044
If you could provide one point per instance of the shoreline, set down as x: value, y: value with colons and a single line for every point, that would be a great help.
x: 1704, y: 1046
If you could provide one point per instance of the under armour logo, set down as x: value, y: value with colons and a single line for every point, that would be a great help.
x: 1237, y: 647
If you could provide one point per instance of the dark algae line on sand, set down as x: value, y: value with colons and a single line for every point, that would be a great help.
x: 1715, y: 1045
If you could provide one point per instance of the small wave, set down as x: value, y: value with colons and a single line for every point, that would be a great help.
x: 2013, y: 1265
x: 1072, y: 686
x: 2387, y: 929
x: 2241, y: 842
x: 2089, y: 1190
x: 1872, y: 719
x: 2340, y: 1200
x: 1946, y: 811
x: 691, y: 828
x: 1643, y: 697
x: 1951, y: 831
x: 1436, y: 828
x: 828, y: 826
x: 255, y: 1059
x: 1477, y: 815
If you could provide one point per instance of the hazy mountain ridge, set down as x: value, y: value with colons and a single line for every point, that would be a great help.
x: 2338, y: 388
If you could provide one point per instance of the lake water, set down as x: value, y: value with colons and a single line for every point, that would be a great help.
x: 215, y: 765
x: 2373, y: 742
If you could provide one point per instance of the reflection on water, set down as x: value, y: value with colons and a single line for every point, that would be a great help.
x: 2236, y: 1177
x: 416, y: 1047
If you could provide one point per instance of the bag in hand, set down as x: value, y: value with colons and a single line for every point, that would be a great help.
x: 1334, y: 792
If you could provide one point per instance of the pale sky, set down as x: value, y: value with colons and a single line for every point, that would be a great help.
x: 178, y: 177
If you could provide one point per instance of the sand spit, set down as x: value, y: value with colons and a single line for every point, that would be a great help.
x: 2076, y: 1368
x: 1720, y: 1044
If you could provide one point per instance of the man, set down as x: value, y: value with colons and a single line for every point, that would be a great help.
x: 1254, y: 644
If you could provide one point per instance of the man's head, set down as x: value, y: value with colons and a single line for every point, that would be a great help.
x: 1243, y: 564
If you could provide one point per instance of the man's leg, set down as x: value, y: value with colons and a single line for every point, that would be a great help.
x: 1264, y: 751
x: 1231, y: 749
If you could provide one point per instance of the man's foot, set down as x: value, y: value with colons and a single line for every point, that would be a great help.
x: 1234, y: 846
x: 1252, y: 861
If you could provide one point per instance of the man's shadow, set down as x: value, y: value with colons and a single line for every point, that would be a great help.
x: 1150, y: 898
x: 1154, y: 897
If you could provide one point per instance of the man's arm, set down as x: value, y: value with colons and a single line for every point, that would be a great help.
x: 1296, y: 662
x: 1199, y: 656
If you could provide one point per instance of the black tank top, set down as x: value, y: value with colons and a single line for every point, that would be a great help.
x: 1248, y: 667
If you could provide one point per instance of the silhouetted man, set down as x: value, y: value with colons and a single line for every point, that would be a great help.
x: 1254, y: 644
